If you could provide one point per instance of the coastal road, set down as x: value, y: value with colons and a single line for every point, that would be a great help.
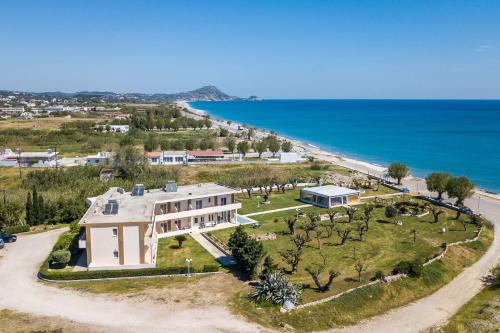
x: 20, y: 291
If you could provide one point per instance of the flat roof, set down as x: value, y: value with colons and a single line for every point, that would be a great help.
x: 141, y: 208
x: 205, y: 152
x: 330, y: 190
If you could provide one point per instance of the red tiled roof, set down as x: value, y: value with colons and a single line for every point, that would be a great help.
x: 153, y: 154
x: 205, y: 152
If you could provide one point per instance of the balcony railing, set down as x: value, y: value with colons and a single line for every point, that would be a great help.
x: 195, y: 212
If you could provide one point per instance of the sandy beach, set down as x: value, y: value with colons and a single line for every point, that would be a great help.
x: 415, y: 184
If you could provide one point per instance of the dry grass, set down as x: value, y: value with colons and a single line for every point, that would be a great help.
x: 51, y: 123
x: 22, y: 322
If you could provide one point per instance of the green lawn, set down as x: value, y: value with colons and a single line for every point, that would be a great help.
x: 170, y: 255
x: 378, y: 190
x: 370, y: 301
x: 277, y: 200
x: 384, y: 246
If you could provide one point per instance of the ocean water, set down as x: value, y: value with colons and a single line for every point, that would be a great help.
x: 458, y: 136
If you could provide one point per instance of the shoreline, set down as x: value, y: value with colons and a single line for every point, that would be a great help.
x: 299, y: 146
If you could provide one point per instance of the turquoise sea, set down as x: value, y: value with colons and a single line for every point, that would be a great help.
x: 458, y: 136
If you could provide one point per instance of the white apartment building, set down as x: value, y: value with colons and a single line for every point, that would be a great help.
x: 101, y: 158
x: 122, y: 228
x: 167, y: 157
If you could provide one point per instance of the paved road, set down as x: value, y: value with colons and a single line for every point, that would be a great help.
x: 21, y: 291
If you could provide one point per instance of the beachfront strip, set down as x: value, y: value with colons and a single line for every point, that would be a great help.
x: 122, y: 228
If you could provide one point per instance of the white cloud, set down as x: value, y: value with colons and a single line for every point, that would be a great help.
x: 483, y: 48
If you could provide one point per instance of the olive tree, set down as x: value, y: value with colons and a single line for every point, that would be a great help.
x: 459, y: 188
x: 436, y: 182
x: 398, y: 171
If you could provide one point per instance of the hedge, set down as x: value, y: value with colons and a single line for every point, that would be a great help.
x: 81, y: 275
x: 16, y: 229
x: 64, y: 243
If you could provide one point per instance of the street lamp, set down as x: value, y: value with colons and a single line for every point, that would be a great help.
x: 258, y: 201
x: 188, y: 263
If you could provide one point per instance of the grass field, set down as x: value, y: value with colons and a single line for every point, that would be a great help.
x: 481, y: 314
x: 369, y: 301
x: 384, y: 246
x: 170, y: 255
x: 276, y: 199
x: 50, y: 123
x: 379, y: 190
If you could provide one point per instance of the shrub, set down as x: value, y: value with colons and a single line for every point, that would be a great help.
x: 180, y: 239
x: 276, y: 289
x: 403, y: 267
x: 60, y: 258
x: 379, y: 275
x: 417, y: 267
x: 16, y: 229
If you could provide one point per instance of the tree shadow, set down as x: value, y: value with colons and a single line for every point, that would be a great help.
x: 350, y: 279
x: 383, y: 221
x: 175, y: 247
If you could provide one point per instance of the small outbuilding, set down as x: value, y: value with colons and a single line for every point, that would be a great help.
x: 329, y: 196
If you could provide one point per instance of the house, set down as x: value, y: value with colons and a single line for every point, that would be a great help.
x: 114, y: 128
x: 101, y: 158
x: 166, y: 157
x: 329, y: 196
x: 37, y: 159
x: 204, y: 155
x: 289, y: 157
x: 122, y: 228
x: 11, y: 110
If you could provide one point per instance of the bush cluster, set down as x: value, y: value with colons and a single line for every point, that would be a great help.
x: 413, y: 269
x: 16, y: 229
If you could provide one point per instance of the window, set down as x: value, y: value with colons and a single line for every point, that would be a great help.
x: 177, y: 206
x: 115, y: 232
x: 199, y: 204
x: 179, y: 159
x: 209, y: 199
x: 168, y: 159
x: 223, y: 201
x: 115, y: 254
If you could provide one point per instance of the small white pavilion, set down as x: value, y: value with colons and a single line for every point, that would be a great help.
x: 328, y: 196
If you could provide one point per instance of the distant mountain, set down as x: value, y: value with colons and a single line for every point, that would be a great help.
x: 206, y: 93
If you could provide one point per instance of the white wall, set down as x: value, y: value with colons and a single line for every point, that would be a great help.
x: 131, y: 245
x: 102, y: 246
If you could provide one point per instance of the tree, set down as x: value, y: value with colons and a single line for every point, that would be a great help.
x: 318, y: 238
x: 343, y: 234
x: 261, y: 147
x: 367, y: 216
x: 152, y: 142
x: 10, y: 214
x: 274, y: 144
x: 250, y: 133
x: 243, y: 148
x: 293, y: 256
x: 310, y: 225
x: 180, y: 239
x: 317, y: 270
x: 331, y: 226
x: 29, y: 210
x: 129, y: 162
x: 360, y: 267
x: 291, y: 221
x: 436, y: 182
x: 269, y: 267
x: 436, y: 212
x: 247, y: 252
x: 361, y: 229
x: 398, y: 171
x: 230, y: 143
x: 391, y: 211
x: 459, y: 188
x: 286, y: 146
x: 350, y: 212
x: 60, y: 258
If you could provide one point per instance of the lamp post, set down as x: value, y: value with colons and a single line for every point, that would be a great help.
x: 258, y: 201
x: 188, y: 263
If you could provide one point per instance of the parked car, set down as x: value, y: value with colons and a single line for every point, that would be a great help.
x: 2, y: 243
x: 7, y: 238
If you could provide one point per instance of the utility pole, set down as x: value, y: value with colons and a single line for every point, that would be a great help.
x: 18, y: 150
x: 4, y: 197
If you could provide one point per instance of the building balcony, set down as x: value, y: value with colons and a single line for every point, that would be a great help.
x: 196, y: 212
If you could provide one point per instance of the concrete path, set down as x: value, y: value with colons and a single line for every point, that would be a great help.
x: 213, y: 250
x: 277, y: 210
x: 20, y: 291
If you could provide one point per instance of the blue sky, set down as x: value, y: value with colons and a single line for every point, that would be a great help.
x: 274, y: 49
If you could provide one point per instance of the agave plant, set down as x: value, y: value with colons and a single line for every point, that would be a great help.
x: 276, y: 289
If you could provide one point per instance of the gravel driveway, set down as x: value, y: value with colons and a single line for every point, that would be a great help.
x: 21, y: 291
